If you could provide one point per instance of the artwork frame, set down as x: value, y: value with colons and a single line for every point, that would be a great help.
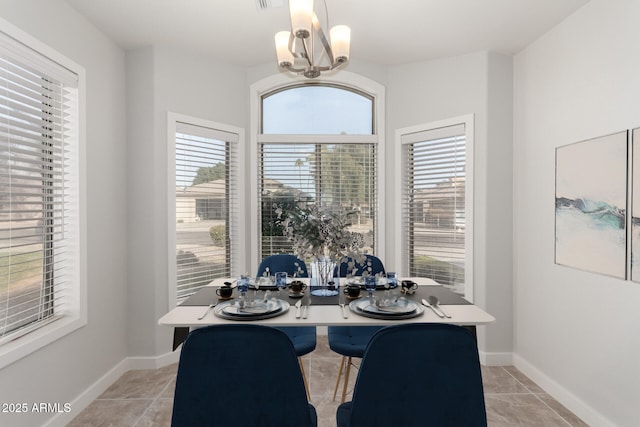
x: 592, y: 187
x: 634, y: 232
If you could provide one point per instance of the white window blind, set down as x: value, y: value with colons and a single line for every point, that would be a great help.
x: 206, y: 205
x: 342, y: 176
x: 38, y: 189
x: 434, y: 214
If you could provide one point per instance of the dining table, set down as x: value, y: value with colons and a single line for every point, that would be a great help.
x: 199, y: 309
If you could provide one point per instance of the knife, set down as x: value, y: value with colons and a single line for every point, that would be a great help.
x: 305, y: 306
x: 425, y: 302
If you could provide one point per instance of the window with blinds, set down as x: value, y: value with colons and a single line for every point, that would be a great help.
x: 39, y: 208
x: 434, y: 214
x: 206, y: 205
x: 316, y: 147
x: 341, y: 176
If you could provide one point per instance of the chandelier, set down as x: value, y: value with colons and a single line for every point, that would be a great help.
x: 307, y: 43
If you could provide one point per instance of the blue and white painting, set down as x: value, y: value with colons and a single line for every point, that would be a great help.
x: 635, y: 208
x: 591, y: 197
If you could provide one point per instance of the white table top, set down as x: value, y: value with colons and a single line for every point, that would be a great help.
x: 328, y: 315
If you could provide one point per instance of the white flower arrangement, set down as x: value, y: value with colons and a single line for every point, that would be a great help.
x: 322, y: 235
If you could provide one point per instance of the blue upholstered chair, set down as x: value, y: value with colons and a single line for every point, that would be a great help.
x: 418, y: 375
x: 372, y: 265
x: 303, y: 337
x: 240, y: 375
x: 351, y: 341
x: 283, y: 262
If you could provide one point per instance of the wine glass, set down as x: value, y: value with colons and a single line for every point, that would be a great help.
x: 390, y: 283
x: 370, y: 283
x: 243, y: 287
x: 281, y: 281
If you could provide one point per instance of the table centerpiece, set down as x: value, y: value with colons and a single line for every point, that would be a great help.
x: 322, y: 235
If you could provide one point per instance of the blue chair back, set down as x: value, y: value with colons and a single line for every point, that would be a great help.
x: 240, y: 375
x: 283, y: 262
x: 417, y: 375
x: 372, y: 264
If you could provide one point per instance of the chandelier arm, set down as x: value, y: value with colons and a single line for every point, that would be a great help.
x: 293, y: 69
x: 323, y: 39
x: 305, y: 54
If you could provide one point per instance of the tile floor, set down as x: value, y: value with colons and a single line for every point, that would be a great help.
x: 144, y: 398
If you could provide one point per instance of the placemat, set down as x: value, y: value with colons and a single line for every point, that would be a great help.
x: 207, y: 295
x: 444, y: 295
x: 204, y: 296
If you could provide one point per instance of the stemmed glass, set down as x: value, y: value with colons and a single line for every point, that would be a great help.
x: 391, y: 283
x: 281, y: 281
x: 243, y: 287
x: 370, y: 283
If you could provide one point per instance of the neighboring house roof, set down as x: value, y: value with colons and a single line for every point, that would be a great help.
x: 214, y: 188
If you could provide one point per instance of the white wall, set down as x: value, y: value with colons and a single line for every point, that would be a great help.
x: 576, y: 333
x: 479, y: 84
x: 62, y: 370
x: 160, y: 80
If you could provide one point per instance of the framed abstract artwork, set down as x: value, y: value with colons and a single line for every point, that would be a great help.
x: 635, y: 205
x: 591, y: 205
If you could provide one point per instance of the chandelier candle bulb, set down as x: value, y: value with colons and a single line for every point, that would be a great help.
x: 340, y: 36
x: 301, y: 13
x: 285, y: 57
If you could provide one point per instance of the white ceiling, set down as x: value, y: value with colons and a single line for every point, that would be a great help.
x: 382, y: 31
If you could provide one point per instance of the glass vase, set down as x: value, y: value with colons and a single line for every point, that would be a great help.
x: 322, y: 273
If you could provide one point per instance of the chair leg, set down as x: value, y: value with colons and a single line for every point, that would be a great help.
x: 304, y: 378
x: 346, y: 381
x: 335, y: 390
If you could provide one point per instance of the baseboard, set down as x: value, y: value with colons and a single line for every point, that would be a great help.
x: 156, y: 362
x: 561, y: 394
x: 89, y: 395
x: 495, y: 359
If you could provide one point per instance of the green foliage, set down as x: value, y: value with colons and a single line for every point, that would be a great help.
x: 186, y: 257
x: 284, y: 200
x: 21, y: 266
x: 345, y: 172
x: 218, y: 235
x: 442, y: 272
x: 211, y: 173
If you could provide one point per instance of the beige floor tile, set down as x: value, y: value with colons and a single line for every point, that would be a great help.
x: 520, y: 410
x: 158, y: 414
x: 111, y: 413
x: 326, y: 409
x: 569, y: 416
x: 523, y: 379
x: 496, y: 379
x: 144, y: 383
x: 323, y: 376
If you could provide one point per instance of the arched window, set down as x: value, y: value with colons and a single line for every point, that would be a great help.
x: 317, y: 144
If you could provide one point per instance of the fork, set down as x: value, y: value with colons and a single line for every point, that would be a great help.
x: 298, y: 305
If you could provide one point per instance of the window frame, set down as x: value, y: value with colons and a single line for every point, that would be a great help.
x: 74, y: 315
x: 398, y: 198
x: 239, y: 236
x: 344, y: 80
